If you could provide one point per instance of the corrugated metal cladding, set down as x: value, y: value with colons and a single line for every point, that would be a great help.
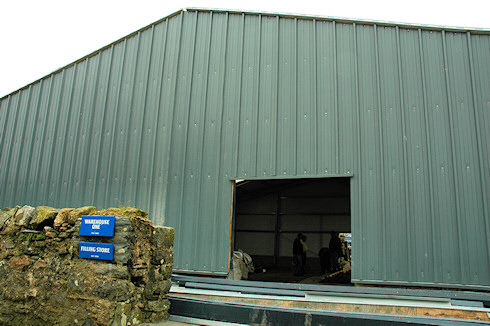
x: 164, y: 119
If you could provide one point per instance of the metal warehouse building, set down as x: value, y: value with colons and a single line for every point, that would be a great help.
x: 240, y: 129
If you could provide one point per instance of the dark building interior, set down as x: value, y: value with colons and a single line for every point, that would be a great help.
x: 270, y: 213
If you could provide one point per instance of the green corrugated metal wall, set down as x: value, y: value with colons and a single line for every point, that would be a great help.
x: 164, y: 119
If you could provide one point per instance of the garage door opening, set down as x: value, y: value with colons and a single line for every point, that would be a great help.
x: 270, y: 214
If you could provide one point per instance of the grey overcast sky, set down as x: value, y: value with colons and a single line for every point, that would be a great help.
x: 38, y: 37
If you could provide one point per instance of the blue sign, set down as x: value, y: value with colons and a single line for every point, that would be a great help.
x: 92, y: 250
x: 97, y: 225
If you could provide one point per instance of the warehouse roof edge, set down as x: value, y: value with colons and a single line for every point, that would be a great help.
x: 278, y: 14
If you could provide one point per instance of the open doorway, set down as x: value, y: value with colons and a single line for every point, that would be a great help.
x: 269, y: 215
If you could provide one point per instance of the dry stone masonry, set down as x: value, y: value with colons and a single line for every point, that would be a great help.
x: 44, y: 282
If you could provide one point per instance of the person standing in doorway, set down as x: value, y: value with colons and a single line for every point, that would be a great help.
x: 298, y: 255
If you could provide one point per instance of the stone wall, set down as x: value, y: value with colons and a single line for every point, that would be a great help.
x: 44, y: 282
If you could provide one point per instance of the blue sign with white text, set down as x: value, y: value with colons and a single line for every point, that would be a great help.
x: 92, y: 250
x: 97, y: 225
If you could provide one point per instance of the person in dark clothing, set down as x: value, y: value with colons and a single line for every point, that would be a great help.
x: 298, y: 255
x: 335, y: 247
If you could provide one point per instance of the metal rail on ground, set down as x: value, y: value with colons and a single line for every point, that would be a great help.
x: 464, y: 298
x: 244, y: 313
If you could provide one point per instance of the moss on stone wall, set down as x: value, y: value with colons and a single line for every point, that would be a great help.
x: 44, y: 282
